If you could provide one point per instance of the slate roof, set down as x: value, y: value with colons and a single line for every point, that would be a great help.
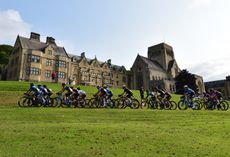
x: 113, y: 67
x: 152, y: 64
x: 33, y: 44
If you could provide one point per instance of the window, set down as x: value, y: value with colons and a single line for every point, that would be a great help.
x: 48, y: 73
x: 48, y: 62
x: 61, y: 75
x: 61, y: 64
x: 33, y: 71
x: 16, y: 60
x: 124, y: 79
x: 49, y: 52
x: 33, y: 58
x: 12, y: 62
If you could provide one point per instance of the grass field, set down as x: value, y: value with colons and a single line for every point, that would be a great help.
x: 108, y: 132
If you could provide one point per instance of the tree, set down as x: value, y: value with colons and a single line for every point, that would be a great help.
x: 185, y: 78
x: 5, y: 51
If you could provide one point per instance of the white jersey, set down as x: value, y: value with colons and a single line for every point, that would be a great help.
x: 81, y: 92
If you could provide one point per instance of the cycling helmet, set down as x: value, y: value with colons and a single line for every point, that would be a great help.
x: 44, y: 86
x: 123, y: 86
x: 63, y: 84
x: 185, y: 86
x: 31, y: 84
x: 98, y: 87
x: 78, y: 88
x: 39, y: 85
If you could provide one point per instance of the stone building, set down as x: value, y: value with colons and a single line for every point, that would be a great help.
x: 220, y: 85
x: 33, y: 60
x: 159, y: 69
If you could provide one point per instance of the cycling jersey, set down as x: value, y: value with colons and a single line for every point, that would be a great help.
x: 81, y: 92
x: 43, y: 90
x: 161, y: 93
x: 35, y: 90
x: 189, y: 92
x: 102, y: 92
x: 128, y: 92
x: 109, y: 92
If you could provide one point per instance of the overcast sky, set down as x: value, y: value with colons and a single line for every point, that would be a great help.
x: 198, y: 30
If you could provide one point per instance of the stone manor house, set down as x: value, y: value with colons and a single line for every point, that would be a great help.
x: 34, y: 60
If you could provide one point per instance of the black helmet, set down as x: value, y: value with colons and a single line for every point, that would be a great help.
x: 31, y: 84
x: 78, y: 88
x: 63, y: 84
x: 44, y: 86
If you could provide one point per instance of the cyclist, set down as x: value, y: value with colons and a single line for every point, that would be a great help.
x: 150, y: 94
x: 128, y: 93
x: 109, y: 94
x: 160, y: 94
x: 44, y: 93
x: 142, y: 91
x: 167, y: 95
x: 34, y: 89
x: 49, y: 91
x: 102, y: 94
x: 36, y: 93
x: 67, y: 94
x: 191, y: 95
x: 81, y: 93
x: 43, y: 90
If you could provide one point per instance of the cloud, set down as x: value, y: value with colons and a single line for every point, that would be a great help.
x: 198, y: 4
x: 212, y: 70
x: 68, y: 45
x: 11, y: 24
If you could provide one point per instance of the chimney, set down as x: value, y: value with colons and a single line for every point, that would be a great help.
x: 109, y: 61
x: 35, y: 36
x: 50, y: 40
x: 83, y: 55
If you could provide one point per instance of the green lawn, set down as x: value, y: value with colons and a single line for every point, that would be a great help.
x: 112, y: 132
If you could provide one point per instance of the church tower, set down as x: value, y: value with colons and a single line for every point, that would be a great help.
x: 161, y: 53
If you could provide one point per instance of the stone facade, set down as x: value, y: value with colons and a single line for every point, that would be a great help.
x: 33, y: 60
x: 159, y: 69
x: 220, y: 85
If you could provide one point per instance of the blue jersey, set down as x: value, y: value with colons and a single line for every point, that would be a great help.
x: 109, y: 92
x: 189, y: 91
x: 35, y: 90
x: 43, y: 90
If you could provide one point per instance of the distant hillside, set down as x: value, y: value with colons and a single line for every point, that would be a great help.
x: 5, y: 51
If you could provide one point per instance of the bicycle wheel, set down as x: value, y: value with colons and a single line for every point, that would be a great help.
x: 167, y: 105
x: 110, y: 103
x: 56, y: 102
x: 87, y: 103
x: 224, y: 105
x: 197, y: 105
x: 119, y: 103
x: 24, y: 102
x: 81, y: 103
x: 135, y: 104
x: 173, y: 105
x: 183, y: 105
x: 152, y: 104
